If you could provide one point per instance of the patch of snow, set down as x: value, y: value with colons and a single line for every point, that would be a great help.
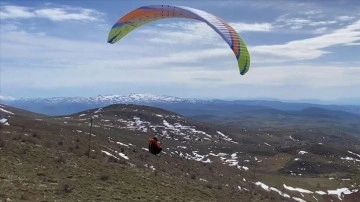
x: 122, y: 144
x: 3, y: 120
x: 123, y: 155
x: 109, y: 154
x: 331, y: 178
x: 349, y: 159
x: 339, y: 192
x: 219, y: 154
x: 303, y: 152
x: 6, y: 111
x: 358, y: 155
x: 204, y: 180
x: 296, y: 159
x: 279, y: 192
x: 264, y: 186
x: 297, y: 189
x: 97, y: 111
x: 298, y: 199
x: 225, y: 137
x: 267, y: 144
x: 320, y: 192
x: 293, y: 138
x: 267, y: 188
x: 81, y: 115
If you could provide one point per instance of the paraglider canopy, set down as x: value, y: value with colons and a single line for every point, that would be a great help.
x: 146, y: 14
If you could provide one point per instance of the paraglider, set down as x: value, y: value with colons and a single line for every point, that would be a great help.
x: 146, y: 14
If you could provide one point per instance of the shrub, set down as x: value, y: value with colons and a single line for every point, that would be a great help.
x: 48, y: 144
x: 17, y: 137
x: 2, y: 143
x: 60, y: 159
x: 66, y: 187
x: 36, y: 135
x: 104, y: 177
x: 209, y: 186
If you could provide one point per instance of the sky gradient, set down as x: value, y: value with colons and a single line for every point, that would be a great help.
x: 299, y: 50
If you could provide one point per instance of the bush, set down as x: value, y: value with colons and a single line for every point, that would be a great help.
x: 209, y: 186
x: 60, y: 159
x: 48, y: 144
x: 66, y: 187
x: 17, y: 137
x: 36, y: 135
x: 104, y: 177
x: 2, y: 143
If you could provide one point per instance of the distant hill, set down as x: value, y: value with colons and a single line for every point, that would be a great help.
x: 189, y: 107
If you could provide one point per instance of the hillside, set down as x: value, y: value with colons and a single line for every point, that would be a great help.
x: 46, y: 158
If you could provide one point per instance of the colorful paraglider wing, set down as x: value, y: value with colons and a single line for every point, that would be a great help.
x: 147, y: 14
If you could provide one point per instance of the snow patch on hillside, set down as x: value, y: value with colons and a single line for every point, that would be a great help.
x: 6, y: 111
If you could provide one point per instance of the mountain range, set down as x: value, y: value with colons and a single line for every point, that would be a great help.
x: 68, y: 105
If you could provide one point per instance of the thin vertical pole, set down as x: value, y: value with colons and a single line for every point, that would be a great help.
x: 91, y: 120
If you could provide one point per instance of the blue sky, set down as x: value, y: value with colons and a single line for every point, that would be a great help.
x: 299, y: 50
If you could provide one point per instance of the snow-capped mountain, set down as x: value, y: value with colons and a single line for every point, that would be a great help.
x: 69, y: 105
x: 104, y: 99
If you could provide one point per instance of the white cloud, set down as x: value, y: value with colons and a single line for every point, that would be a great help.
x: 12, y: 12
x: 310, y: 48
x: 345, y: 18
x: 320, y: 30
x: 305, y: 80
x: 254, y: 27
x: 50, y: 13
x: 199, y: 32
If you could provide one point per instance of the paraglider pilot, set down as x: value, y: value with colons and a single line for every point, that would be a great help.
x: 154, y: 145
